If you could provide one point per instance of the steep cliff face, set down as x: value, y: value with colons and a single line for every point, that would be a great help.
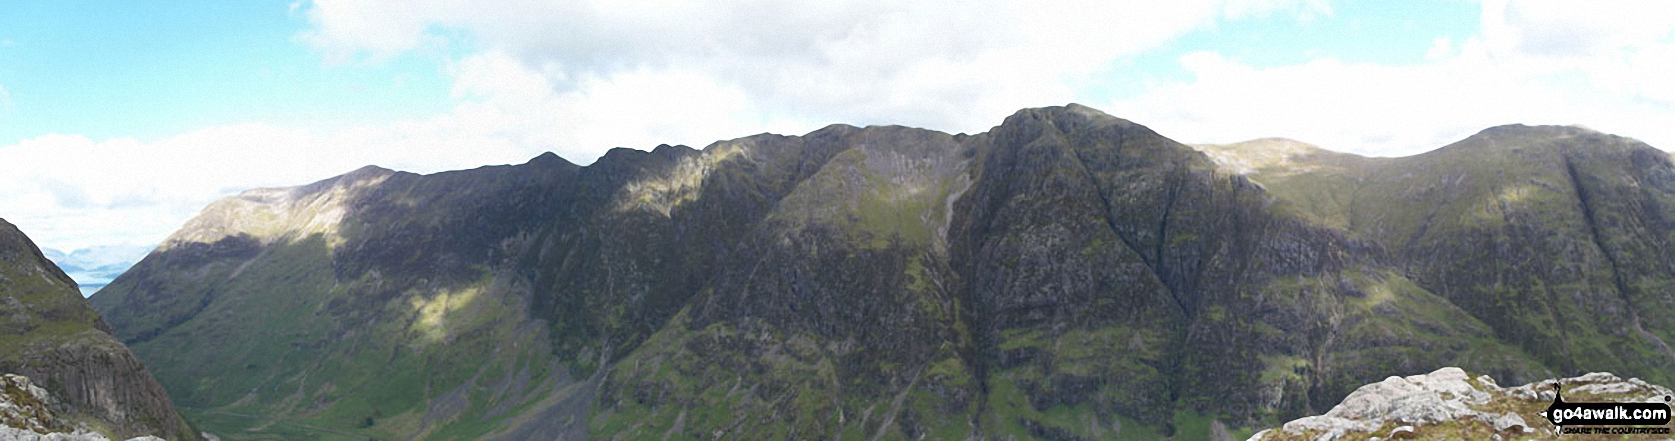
x: 49, y: 334
x: 27, y: 414
x: 1065, y: 275
x: 1090, y: 233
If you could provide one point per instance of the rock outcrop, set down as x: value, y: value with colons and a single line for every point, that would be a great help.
x: 1451, y: 404
x: 26, y: 415
x: 50, y: 334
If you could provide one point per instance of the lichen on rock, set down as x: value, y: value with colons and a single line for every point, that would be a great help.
x: 26, y: 414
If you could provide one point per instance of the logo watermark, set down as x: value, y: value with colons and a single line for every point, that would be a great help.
x: 1567, y: 416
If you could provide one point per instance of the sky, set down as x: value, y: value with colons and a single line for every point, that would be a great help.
x: 119, y: 120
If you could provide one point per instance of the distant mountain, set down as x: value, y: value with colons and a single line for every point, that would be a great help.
x: 49, y: 334
x: 1066, y: 275
x: 95, y: 267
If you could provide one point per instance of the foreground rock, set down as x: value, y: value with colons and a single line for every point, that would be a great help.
x: 1451, y: 404
x: 26, y: 415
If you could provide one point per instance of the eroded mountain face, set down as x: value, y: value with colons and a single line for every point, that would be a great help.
x: 1556, y: 237
x: 49, y: 334
x: 1066, y: 274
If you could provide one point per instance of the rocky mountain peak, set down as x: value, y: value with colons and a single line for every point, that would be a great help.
x: 672, y: 151
x: 367, y: 171
x: 1519, y: 136
x: 16, y: 249
x: 1070, y: 117
x: 550, y: 159
x: 1535, y: 130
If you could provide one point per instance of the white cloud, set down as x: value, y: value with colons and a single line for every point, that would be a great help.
x: 942, y: 64
x: 69, y: 192
x: 1534, y: 63
x: 1573, y: 30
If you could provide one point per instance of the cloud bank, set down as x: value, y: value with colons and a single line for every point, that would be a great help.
x: 1603, y: 65
x: 943, y: 64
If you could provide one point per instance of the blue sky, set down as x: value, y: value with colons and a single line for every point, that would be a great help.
x: 120, y: 120
x: 148, y: 70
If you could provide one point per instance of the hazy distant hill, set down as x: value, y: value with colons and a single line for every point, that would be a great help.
x: 1065, y: 275
x: 93, y: 268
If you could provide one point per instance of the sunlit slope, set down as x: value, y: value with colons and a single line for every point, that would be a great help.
x: 366, y: 304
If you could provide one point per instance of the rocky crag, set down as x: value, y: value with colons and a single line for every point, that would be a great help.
x: 1451, y: 404
x: 26, y: 414
x: 49, y: 334
x: 1066, y: 275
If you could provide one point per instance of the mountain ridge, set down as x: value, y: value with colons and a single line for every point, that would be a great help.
x: 882, y: 281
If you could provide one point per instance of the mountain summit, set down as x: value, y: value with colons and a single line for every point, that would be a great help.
x: 1065, y: 275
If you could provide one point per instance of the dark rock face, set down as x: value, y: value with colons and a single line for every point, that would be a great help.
x: 1067, y: 275
x: 1092, y: 231
x: 51, y: 335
